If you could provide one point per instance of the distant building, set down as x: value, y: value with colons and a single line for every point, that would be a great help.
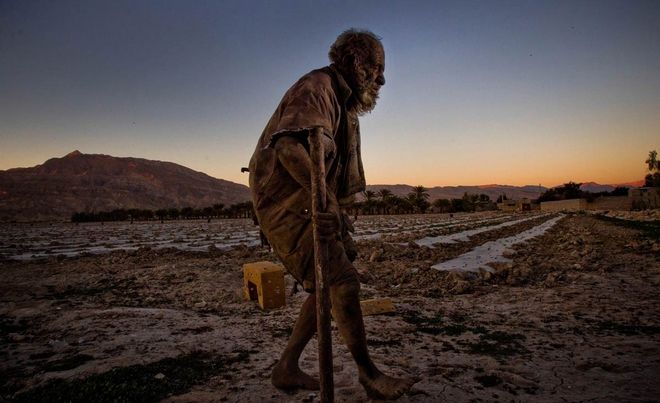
x: 507, y: 205
x: 523, y: 204
x: 610, y: 203
x: 599, y: 203
x: 644, y: 198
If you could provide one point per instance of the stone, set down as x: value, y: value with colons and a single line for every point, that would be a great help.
x: 553, y: 278
x: 376, y: 256
x: 376, y: 306
x: 462, y: 287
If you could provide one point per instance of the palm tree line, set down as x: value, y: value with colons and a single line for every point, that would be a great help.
x: 218, y: 210
x: 416, y: 201
x: 381, y: 202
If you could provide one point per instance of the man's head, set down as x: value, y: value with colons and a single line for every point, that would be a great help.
x: 360, y: 57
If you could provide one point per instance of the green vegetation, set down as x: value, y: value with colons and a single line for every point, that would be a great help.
x: 571, y: 190
x: 239, y: 210
x: 468, y: 203
x: 652, y: 179
x: 417, y: 201
x: 419, y: 198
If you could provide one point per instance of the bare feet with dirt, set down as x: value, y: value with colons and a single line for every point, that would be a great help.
x: 384, y: 387
x: 292, y: 378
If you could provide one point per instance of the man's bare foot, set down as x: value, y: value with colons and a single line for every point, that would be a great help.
x: 385, y: 387
x: 284, y: 377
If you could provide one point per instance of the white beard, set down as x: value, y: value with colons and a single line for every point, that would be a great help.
x: 366, y: 98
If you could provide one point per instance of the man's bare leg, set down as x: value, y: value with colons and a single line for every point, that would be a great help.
x: 348, y: 315
x: 287, y: 374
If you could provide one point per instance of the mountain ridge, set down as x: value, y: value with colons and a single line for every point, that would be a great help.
x: 79, y: 182
x: 493, y: 190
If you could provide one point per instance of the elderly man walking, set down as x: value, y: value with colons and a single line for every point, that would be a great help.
x: 330, y: 98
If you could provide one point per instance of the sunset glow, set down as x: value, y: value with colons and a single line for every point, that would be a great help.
x: 518, y: 93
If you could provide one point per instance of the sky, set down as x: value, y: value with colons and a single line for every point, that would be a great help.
x: 477, y: 92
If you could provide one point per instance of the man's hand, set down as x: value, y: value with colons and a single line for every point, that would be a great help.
x: 328, y: 225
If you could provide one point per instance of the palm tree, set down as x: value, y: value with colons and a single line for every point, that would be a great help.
x: 443, y: 205
x: 369, y: 196
x: 208, y: 212
x: 401, y: 205
x: 385, y: 199
x: 384, y: 194
x: 187, y: 212
x: 217, y: 209
x: 420, y: 192
x: 161, y: 213
x: 652, y: 179
x: 652, y: 161
x: 418, y: 197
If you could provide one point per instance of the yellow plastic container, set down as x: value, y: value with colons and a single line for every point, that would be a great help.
x: 264, y: 281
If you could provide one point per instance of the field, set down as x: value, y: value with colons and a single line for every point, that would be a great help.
x: 489, y: 307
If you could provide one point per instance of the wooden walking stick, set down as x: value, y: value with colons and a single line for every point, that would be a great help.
x: 320, y: 266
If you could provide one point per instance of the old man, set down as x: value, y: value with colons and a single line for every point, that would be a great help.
x: 331, y: 98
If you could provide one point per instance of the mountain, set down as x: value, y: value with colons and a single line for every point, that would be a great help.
x: 456, y: 192
x: 494, y: 191
x: 595, y: 187
x: 633, y: 184
x: 96, y: 182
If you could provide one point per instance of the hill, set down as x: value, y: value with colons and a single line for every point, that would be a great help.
x: 96, y: 182
x: 494, y: 191
x: 596, y: 188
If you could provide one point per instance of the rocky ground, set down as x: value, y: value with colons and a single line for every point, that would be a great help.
x: 575, y: 316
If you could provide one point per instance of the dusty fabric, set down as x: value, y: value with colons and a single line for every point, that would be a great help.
x: 282, y: 205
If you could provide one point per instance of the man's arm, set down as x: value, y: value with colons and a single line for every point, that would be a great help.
x: 296, y: 160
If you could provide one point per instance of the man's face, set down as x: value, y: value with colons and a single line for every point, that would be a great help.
x: 369, y: 80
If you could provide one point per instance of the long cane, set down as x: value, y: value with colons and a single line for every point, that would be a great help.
x: 320, y: 265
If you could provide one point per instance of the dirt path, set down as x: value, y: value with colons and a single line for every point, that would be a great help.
x: 574, y: 317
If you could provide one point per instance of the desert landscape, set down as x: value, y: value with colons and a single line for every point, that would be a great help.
x: 498, y: 159
x: 488, y: 307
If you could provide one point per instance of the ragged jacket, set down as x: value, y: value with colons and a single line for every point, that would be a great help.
x: 282, y: 205
x: 317, y: 99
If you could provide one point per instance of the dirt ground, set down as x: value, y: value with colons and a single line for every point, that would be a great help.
x: 575, y: 316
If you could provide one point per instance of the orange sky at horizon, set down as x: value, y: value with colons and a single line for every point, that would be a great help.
x: 618, y: 171
x: 511, y: 93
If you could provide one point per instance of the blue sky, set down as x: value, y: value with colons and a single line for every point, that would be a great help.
x: 509, y: 92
